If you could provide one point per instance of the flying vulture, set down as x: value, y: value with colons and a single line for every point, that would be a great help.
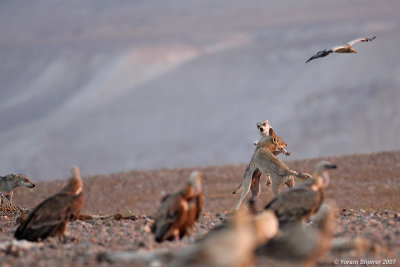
x: 344, y: 48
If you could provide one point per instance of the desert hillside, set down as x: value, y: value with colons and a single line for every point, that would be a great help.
x: 123, y: 85
x: 365, y: 188
x: 367, y: 181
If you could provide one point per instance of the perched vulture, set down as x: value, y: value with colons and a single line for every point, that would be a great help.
x: 344, y: 48
x: 298, y: 244
x: 299, y: 203
x: 232, y: 244
x: 179, y: 211
x: 51, y: 217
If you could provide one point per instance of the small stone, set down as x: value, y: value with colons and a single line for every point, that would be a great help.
x: 387, y: 237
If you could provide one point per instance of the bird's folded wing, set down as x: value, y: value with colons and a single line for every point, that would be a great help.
x: 292, y: 205
x: 54, y: 210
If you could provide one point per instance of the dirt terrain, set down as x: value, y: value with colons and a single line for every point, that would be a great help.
x: 364, y: 187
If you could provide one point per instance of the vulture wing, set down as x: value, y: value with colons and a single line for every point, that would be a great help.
x: 353, y: 42
x: 295, y: 204
x: 49, y: 216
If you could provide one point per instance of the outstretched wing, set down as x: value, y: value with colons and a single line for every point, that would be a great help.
x: 295, y: 204
x: 49, y: 215
x: 352, y: 42
x: 322, y: 53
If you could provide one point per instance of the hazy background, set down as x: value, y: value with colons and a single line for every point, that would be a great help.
x: 121, y: 85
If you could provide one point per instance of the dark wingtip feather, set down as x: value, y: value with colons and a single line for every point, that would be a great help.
x: 33, y: 235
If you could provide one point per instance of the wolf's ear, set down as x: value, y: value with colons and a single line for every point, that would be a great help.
x: 271, y: 132
x: 275, y: 140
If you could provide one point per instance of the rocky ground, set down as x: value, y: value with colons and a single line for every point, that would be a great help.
x: 364, y: 187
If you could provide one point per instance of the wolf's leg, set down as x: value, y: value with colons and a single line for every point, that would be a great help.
x: 246, y: 183
x: 255, y: 185
x: 290, y: 181
x: 234, y: 192
x: 276, y: 185
x: 268, y: 180
x: 9, y: 195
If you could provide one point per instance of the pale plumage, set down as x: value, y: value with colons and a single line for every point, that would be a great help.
x: 344, y: 48
x: 51, y: 217
x: 301, y: 245
x: 232, y: 244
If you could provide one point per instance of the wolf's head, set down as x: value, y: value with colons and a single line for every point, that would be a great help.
x: 21, y: 179
x: 263, y: 127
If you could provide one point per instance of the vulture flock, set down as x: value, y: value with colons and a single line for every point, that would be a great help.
x: 283, y: 230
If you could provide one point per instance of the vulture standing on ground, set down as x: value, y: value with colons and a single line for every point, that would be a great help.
x: 298, y: 244
x: 51, y: 217
x: 232, y: 244
x: 344, y: 48
x: 179, y: 211
x: 299, y: 203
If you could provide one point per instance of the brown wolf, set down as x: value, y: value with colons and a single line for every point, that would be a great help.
x: 263, y: 161
x: 277, y: 147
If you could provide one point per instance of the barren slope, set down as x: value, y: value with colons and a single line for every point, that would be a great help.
x: 365, y: 188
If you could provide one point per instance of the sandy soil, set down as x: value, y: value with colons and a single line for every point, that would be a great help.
x: 365, y: 188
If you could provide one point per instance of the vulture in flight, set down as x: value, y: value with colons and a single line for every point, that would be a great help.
x: 344, y: 48
x: 299, y: 203
x: 51, y: 217
x: 179, y: 211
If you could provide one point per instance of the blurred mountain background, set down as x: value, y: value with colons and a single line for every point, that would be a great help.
x: 121, y: 85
